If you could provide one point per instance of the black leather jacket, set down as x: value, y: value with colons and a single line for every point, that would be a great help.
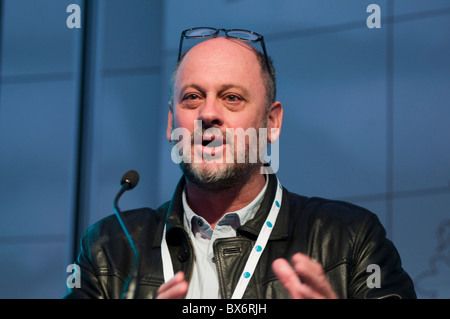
x: 344, y: 238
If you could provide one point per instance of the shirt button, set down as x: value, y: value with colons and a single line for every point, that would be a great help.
x: 182, y: 255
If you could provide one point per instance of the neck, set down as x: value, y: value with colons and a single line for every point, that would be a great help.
x: 212, y: 205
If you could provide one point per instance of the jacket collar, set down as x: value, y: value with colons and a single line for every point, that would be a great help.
x: 174, y: 215
x: 280, y: 230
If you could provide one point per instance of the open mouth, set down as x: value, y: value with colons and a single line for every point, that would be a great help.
x: 212, y: 145
x: 212, y: 142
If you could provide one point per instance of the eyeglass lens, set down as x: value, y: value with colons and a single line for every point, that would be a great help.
x: 243, y: 35
x: 205, y: 32
x: 200, y: 32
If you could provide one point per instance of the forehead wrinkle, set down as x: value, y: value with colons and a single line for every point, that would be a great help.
x: 225, y: 87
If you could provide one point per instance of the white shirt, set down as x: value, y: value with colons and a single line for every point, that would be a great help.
x: 204, y: 283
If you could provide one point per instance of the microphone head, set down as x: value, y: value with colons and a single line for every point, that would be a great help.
x: 131, y: 178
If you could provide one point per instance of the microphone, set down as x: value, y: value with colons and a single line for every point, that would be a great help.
x: 129, y: 180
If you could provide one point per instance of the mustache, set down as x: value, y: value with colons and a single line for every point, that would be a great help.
x: 211, y: 135
x: 208, y: 134
x: 214, y: 136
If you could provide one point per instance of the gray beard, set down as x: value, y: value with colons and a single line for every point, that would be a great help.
x: 233, y: 175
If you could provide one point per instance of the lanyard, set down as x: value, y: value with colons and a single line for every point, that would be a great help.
x: 252, y: 260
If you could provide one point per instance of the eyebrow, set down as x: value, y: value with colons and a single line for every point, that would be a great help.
x: 234, y: 86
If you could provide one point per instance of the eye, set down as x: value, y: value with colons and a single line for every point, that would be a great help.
x: 191, y: 100
x: 191, y: 97
x: 232, y: 98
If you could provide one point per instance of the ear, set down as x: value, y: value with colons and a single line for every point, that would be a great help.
x: 274, y: 121
x: 169, y: 123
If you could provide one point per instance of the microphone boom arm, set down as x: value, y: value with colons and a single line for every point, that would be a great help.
x: 129, y: 288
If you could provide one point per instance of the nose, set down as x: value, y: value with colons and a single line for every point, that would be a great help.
x: 211, y: 113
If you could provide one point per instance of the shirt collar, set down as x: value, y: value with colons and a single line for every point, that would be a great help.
x: 234, y: 219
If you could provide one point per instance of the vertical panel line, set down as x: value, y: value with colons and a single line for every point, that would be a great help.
x: 389, y: 118
x: 82, y: 131
x: 2, y: 9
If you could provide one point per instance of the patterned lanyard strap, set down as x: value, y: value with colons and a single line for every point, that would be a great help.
x: 255, y: 254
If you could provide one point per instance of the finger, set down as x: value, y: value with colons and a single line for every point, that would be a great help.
x: 179, y: 276
x: 312, y: 274
x: 307, y: 292
x: 178, y: 291
x: 288, y: 278
x: 175, y: 288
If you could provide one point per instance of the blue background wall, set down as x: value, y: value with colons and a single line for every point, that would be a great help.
x: 367, y: 118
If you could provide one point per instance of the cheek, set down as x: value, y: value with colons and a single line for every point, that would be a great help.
x: 242, y: 120
x: 253, y: 122
x: 184, y: 119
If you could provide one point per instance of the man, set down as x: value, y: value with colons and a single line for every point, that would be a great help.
x: 231, y: 231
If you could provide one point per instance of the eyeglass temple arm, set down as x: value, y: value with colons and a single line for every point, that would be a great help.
x: 180, y: 47
x: 263, y: 45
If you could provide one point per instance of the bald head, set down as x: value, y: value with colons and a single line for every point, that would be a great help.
x: 225, y: 52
